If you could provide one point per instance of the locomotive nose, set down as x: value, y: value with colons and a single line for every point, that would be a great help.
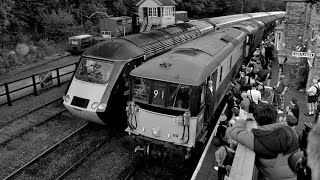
x: 84, y: 100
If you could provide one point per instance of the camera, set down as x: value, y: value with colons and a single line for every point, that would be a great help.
x: 298, y: 164
x: 298, y: 160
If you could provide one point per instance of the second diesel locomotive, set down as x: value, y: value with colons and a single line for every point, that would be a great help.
x: 171, y: 108
x: 98, y: 91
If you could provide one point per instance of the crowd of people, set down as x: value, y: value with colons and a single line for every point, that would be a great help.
x: 275, y: 138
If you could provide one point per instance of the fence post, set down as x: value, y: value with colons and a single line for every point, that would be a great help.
x: 8, y: 94
x: 34, y: 85
x: 58, y: 77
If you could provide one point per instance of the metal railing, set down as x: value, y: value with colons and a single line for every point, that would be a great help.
x: 34, y: 84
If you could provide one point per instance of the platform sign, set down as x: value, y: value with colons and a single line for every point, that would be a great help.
x: 45, y: 79
x: 303, y: 54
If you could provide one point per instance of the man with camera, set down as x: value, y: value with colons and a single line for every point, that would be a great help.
x: 313, y: 151
x: 272, y: 142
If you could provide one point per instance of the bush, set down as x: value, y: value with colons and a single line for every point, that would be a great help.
x: 303, y: 73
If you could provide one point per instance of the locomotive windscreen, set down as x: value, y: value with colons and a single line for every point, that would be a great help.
x: 94, y: 71
x: 161, y: 94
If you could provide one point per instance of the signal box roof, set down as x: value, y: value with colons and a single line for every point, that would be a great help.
x: 192, y: 62
x: 114, y: 49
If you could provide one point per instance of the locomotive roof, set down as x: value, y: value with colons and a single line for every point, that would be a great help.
x: 114, y: 49
x: 134, y: 45
x: 279, y: 14
x: 267, y: 19
x: 258, y: 14
x: 192, y: 62
x: 248, y: 26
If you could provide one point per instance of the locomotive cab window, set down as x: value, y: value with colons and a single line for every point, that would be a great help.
x: 161, y: 94
x: 141, y: 89
x: 94, y: 71
x: 179, y: 96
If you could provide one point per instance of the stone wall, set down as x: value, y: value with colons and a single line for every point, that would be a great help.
x: 295, y: 27
x: 314, y: 41
x: 302, y: 29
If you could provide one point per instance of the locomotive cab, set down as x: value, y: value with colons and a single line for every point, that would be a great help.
x: 165, y: 111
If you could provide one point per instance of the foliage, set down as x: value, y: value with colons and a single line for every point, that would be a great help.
x: 57, y: 24
x: 43, y: 23
x: 303, y: 73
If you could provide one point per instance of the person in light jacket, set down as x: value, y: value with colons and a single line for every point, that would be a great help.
x: 272, y: 142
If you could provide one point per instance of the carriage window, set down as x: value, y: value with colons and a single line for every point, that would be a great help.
x: 220, y: 78
x: 141, y: 89
x: 179, y: 96
x: 230, y: 62
x: 91, y: 70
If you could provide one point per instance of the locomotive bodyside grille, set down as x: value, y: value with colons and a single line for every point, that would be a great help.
x: 80, y: 102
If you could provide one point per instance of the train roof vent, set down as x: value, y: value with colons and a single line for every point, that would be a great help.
x: 189, y: 52
x: 236, y: 27
x: 165, y: 65
x: 227, y: 38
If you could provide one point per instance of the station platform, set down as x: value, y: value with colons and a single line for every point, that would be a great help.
x: 205, y: 169
x: 206, y: 166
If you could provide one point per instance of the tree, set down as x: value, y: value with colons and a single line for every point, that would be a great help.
x: 57, y: 24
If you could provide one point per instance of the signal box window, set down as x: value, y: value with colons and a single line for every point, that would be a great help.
x: 91, y: 70
x: 152, y: 12
x: 141, y: 89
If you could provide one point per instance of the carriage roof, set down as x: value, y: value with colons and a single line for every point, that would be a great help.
x: 191, y: 63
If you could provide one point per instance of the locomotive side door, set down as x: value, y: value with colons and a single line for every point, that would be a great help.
x: 210, y: 95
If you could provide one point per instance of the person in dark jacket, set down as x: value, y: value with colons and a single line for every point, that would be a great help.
x: 313, y: 151
x: 272, y: 142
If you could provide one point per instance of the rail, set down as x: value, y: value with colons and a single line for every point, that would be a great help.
x: 17, y: 89
x: 243, y: 166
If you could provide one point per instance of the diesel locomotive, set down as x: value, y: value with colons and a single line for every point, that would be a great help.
x: 171, y: 108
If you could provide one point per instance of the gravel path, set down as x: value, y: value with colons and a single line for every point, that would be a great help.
x: 29, y: 121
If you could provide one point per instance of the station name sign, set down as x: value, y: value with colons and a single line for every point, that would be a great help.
x: 303, y: 54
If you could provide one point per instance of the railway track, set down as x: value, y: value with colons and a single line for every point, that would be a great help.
x: 55, y: 162
x: 30, y: 120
